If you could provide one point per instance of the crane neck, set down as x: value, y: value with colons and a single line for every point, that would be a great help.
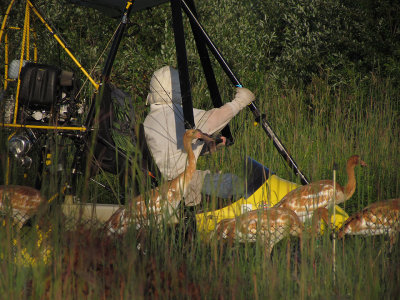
x: 350, y: 187
x: 187, y: 144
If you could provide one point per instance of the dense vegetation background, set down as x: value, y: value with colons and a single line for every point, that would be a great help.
x: 287, y: 42
x: 327, y: 76
x: 308, y: 57
x: 318, y: 68
x: 324, y: 72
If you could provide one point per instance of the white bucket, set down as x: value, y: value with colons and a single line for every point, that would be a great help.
x: 14, y: 68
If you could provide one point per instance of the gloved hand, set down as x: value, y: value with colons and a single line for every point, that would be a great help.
x: 243, y: 97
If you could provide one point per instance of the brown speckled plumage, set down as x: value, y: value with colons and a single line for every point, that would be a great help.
x: 24, y: 201
x: 381, y: 217
x: 162, y: 201
x: 269, y: 224
x: 305, y: 199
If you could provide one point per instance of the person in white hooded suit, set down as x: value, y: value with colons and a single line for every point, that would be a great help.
x: 164, y: 128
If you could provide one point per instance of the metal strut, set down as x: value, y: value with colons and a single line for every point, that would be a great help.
x: 117, y: 40
x: 265, y: 125
x: 209, y: 72
x: 179, y: 36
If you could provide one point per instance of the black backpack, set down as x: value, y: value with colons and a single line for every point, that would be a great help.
x: 117, y: 123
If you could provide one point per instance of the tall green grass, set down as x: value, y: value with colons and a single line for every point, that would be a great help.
x: 319, y: 126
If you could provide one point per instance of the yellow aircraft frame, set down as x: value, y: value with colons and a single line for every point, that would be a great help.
x: 25, y: 53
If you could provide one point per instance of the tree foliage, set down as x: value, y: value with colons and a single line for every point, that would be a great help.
x: 288, y: 41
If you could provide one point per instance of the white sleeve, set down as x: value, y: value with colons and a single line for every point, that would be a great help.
x: 215, y: 119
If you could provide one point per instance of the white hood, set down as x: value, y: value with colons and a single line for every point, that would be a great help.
x: 164, y: 87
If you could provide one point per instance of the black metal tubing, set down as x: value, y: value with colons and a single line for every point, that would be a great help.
x: 179, y: 36
x: 265, y: 125
x: 117, y: 40
x: 111, y: 57
x: 208, y: 71
x: 105, y: 77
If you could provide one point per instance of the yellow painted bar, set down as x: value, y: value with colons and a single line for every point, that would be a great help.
x: 57, y: 194
x: 128, y: 4
x: 28, y: 27
x: 3, y: 24
x: 19, y: 28
x: 6, y: 61
x: 20, y: 64
x: 96, y: 85
x: 43, y: 127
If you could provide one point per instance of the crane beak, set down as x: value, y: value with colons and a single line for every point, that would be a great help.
x: 363, y: 163
x: 211, y: 143
x: 205, y: 137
